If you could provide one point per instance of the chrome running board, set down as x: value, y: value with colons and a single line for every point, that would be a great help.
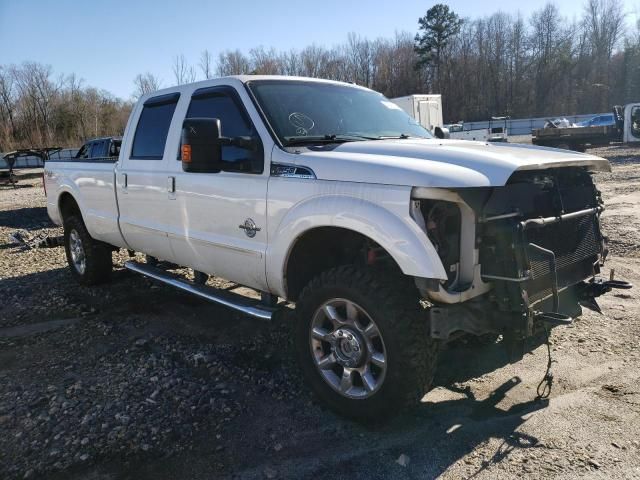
x: 240, y: 303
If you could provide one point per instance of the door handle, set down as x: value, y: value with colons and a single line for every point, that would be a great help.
x: 171, y: 184
x: 125, y: 181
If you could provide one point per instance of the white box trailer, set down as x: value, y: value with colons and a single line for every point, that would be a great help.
x: 425, y: 108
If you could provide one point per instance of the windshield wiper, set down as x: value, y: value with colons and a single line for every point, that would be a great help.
x: 334, y: 138
x: 402, y: 136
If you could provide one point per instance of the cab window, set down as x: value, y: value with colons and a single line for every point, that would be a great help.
x: 97, y: 149
x: 635, y: 122
x: 153, y: 127
x: 84, y: 151
x: 235, y: 123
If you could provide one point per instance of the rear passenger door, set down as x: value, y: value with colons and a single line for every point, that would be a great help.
x: 142, y: 179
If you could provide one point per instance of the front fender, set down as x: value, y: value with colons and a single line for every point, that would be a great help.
x: 400, y: 236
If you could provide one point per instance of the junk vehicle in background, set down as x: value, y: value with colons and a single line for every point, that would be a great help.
x: 103, y: 148
x: 424, y: 109
x: 329, y: 196
x: 8, y: 177
x: 495, y: 132
x: 579, y: 137
x: 606, y: 120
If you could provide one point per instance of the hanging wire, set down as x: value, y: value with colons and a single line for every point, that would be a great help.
x: 544, y: 387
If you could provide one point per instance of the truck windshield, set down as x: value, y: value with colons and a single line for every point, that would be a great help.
x: 312, y: 112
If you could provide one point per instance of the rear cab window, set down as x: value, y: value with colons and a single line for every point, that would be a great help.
x: 98, y: 150
x: 153, y: 126
x: 84, y: 151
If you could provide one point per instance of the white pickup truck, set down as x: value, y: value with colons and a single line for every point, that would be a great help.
x: 329, y: 196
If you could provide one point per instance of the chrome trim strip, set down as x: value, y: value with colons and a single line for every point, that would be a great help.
x: 143, y: 227
x: 206, y: 243
x: 226, y: 299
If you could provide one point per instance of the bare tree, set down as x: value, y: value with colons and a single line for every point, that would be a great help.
x: 39, y: 110
x: 182, y: 71
x: 265, y: 62
x: 206, y: 64
x: 232, y: 63
x: 145, y: 83
x: 8, y: 105
x: 37, y: 91
x: 603, y: 25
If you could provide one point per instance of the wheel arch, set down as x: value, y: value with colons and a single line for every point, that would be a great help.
x: 328, y: 223
x: 68, y: 205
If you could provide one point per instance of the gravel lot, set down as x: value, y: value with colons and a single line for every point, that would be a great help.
x: 133, y: 380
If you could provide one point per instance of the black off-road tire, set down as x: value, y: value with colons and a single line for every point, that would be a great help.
x: 98, y: 261
x: 392, y: 303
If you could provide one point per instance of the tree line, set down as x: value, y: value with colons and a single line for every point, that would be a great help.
x: 496, y: 65
x: 38, y: 109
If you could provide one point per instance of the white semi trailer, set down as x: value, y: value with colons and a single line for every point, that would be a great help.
x: 426, y: 109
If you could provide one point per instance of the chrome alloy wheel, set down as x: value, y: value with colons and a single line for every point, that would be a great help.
x: 77, y: 252
x: 348, y: 349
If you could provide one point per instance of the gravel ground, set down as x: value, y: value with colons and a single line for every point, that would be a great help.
x: 133, y: 380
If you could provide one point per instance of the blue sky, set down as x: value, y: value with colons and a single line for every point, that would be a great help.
x: 107, y: 43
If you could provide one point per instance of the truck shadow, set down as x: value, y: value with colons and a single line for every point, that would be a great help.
x: 28, y: 218
x: 484, y: 420
x: 452, y: 421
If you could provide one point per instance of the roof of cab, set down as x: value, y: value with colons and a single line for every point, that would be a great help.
x: 243, y: 79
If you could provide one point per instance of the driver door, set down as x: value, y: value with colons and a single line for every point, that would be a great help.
x: 209, y: 210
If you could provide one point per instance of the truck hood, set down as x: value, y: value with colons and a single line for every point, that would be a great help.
x: 437, y: 163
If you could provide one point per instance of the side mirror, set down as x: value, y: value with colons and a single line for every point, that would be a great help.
x: 201, y: 145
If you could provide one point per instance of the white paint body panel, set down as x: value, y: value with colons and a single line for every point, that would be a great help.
x: 437, y: 163
x: 362, y: 186
x: 92, y: 186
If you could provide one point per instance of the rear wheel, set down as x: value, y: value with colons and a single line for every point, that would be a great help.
x: 363, y: 343
x: 89, y: 260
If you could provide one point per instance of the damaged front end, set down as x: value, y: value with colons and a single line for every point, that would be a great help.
x: 538, y: 251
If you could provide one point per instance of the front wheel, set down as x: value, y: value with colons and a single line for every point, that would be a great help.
x: 363, y: 343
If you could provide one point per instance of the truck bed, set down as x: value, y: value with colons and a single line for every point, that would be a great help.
x: 91, y: 182
x: 575, y: 138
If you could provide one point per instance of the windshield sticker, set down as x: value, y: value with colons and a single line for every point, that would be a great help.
x: 302, y: 123
x: 390, y: 105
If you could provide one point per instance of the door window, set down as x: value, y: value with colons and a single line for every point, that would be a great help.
x: 97, y: 149
x: 153, y: 127
x: 235, y: 123
x: 635, y: 122
x: 84, y: 151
